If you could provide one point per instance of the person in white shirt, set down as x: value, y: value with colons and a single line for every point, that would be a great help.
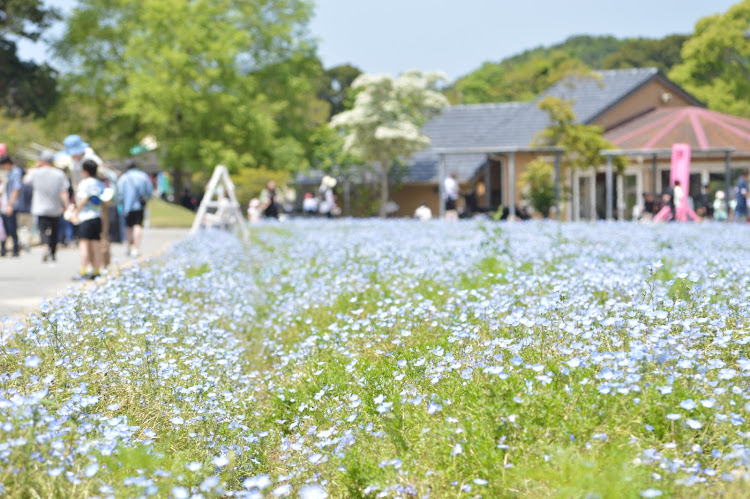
x: 88, y: 212
x: 50, y: 188
x: 423, y: 213
x: 450, y: 196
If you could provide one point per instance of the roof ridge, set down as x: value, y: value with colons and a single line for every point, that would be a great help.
x: 648, y: 70
x: 487, y: 105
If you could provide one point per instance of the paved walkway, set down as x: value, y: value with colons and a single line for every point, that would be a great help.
x: 25, y: 281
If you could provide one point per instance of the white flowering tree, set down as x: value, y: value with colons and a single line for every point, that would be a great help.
x: 386, y: 121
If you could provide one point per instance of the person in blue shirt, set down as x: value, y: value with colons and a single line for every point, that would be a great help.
x: 135, y: 191
x: 12, y: 198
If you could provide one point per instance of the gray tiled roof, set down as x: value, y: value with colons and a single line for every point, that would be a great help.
x: 594, y: 95
x: 514, y: 124
x: 459, y: 126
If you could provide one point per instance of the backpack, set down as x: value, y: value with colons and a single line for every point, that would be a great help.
x: 23, y: 203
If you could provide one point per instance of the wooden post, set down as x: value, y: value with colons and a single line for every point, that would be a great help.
x: 512, y: 186
x: 441, y: 186
x: 728, y: 174
x: 558, y: 154
x: 620, y: 197
x: 487, y: 184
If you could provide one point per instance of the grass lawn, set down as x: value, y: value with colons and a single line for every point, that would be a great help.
x: 393, y: 359
x: 163, y: 214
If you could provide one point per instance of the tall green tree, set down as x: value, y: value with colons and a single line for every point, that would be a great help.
x: 661, y: 53
x: 716, y: 61
x: 516, y: 80
x: 215, y: 81
x: 385, y: 123
x: 583, y: 143
x: 27, y: 88
x: 336, y: 87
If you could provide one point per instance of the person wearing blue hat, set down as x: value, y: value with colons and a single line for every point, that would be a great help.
x: 79, y: 151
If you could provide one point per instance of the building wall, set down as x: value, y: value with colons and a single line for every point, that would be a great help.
x: 410, y: 196
x: 653, y: 94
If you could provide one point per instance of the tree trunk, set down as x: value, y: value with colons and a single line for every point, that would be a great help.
x: 383, y: 187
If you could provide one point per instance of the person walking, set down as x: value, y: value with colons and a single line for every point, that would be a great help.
x: 269, y: 201
x: 135, y: 191
x: 12, y: 200
x: 450, y: 196
x: 88, y: 213
x: 740, y: 209
x: 50, y: 188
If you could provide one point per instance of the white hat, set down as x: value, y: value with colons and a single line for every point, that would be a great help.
x: 329, y: 182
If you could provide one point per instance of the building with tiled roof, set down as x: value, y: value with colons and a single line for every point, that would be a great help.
x: 488, y: 145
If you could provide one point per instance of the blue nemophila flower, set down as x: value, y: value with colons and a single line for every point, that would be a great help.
x: 694, y: 424
x: 688, y: 404
x: 282, y: 490
x: 180, y: 492
x: 313, y: 491
x: 674, y: 417
x: 91, y: 470
x: 259, y: 482
x: 32, y: 361
x: 650, y: 493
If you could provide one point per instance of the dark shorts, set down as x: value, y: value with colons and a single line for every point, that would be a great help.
x: 450, y: 204
x: 134, y: 218
x: 90, y: 229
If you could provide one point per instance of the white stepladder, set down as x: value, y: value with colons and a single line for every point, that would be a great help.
x: 219, y: 207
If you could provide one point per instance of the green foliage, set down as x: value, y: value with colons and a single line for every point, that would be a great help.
x: 197, y: 271
x: 250, y: 182
x: 583, y: 143
x: 19, y: 132
x: 25, y: 18
x: 716, y: 61
x: 521, y: 79
x: 385, y: 122
x: 164, y: 214
x: 214, y: 81
x: 662, y: 53
x: 336, y: 85
x: 539, y: 185
x: 27, y: 88
x: 330, y: 155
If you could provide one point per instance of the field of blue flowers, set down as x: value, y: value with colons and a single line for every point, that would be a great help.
x: 393, y: 359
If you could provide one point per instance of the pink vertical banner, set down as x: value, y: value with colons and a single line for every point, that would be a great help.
x: 680, y: 166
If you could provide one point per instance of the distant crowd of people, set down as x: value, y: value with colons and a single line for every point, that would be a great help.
x: 73, y: 195
x: 675, y: 205
x: 272, y: 203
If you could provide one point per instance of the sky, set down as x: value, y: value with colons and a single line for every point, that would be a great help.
x: 456, y: 37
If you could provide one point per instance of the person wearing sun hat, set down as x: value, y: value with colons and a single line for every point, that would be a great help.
x: 327, y: 203
x: 79, y: 151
